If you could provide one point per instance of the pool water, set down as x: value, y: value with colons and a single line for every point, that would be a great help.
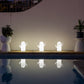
x: 50, y: 74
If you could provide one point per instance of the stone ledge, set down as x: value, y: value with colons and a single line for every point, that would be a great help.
x: 79, y: 67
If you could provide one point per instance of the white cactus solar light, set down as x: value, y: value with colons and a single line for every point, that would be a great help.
x: 23, y: 49
x: 41, y: 46
x: 23, y: 46
x: 23, y: 63
x: 59, y: 63
x: 59, y: 46
x: 41, y: 63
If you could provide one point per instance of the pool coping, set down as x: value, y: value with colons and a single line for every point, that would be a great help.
x: 42, y: 55
x: 79, y: 68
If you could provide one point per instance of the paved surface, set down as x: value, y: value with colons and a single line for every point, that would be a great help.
x: 79, y: 66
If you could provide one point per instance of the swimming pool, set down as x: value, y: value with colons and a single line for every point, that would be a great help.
x: 50, y: 74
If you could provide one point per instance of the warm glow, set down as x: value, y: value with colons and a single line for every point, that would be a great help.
x: 23, y: 63
x: 59, y: 46
x: 59, y: 63
x: 23, y: 46
x: 41, y: 46
x: 41, y: 63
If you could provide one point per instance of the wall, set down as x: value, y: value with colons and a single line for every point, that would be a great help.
x: 50, y: 21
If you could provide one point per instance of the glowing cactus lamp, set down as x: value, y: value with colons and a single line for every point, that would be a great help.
x: 23, y: 46
x: 41, y: 46
x: 59, y: 46
x: 23, y: 49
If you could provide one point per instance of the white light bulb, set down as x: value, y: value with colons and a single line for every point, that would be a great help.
x: 41, y: 46
x: 59, y: 46
x: 23, y: 46
x: 41, y: 63
x: 59, y: 63
x: 23, y: 63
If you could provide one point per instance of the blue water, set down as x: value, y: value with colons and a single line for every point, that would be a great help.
x: 50, y: 74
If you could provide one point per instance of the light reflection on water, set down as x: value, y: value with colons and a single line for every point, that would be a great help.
x: 50, y: 74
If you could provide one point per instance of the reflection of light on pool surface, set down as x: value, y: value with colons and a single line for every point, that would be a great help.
x: 59, y: 63
x: 41, y: 63
x: 23, y: 63
x: 48, y: 75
